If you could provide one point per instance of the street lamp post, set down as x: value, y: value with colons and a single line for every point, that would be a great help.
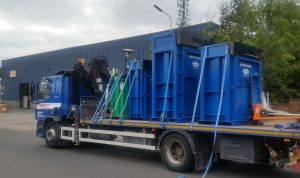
x: 160, y: 10
x: 128, y: 55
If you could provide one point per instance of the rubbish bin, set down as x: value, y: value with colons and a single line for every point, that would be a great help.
x: 25, y: 102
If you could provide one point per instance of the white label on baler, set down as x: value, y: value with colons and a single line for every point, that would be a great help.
x: 195, y: 65
x: 245, y: 65
x: 194, y: 57
x: 246, y: 71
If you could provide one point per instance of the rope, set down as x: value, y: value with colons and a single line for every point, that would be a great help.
x: 163, y: 114
x: 218, y: 115
x: 199, y: 84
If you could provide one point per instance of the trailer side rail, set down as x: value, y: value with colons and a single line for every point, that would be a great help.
x: 253, y: 130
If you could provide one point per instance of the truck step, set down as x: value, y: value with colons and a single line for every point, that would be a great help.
x: 137, y: 140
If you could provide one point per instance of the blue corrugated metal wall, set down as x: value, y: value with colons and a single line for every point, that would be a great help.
x: 33, y: 67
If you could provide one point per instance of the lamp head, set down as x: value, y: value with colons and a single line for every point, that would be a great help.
x: 156, y: 7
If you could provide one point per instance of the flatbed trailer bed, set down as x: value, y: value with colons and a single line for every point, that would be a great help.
x: 253, y: 130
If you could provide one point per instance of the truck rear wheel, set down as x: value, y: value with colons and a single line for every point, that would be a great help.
x: 52, y: 136
x: 176, y: 153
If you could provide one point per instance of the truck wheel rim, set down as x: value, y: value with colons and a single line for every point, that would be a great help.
x: 50, y: 134
x: 175, y: 152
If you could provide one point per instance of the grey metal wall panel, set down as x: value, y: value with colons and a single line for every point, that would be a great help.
x: 32, y: 68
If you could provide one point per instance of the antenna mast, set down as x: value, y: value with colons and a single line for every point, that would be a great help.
x: 183, y: 13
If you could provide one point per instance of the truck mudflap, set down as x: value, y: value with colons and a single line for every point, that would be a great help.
x: 201, y: 160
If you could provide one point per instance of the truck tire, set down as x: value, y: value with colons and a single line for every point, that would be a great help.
x: 176, y: 153
x: 52, y: 136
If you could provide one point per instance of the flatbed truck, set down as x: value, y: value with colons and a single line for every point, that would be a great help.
x: 66, y: 111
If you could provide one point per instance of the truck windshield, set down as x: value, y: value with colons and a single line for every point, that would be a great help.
x: 44, y: 90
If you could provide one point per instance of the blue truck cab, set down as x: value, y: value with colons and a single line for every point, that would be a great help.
x: 57, y: 97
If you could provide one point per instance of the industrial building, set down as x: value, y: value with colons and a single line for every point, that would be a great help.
x: 19, y: 72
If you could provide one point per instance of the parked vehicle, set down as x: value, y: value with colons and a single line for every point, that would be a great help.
x: 191, y: 101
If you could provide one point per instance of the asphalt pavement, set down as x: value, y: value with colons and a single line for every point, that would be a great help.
x: 23, y: 155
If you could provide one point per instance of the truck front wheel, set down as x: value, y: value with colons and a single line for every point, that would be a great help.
x: 52, y: 135
x: 176, y: 153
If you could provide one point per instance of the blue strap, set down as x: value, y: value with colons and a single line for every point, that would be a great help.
x: 199, y: 85
x: 121, y: 91
x: 109, y: 94
x: 218, y: 115
x: 295, y: 126
x: 109, y: 97
x: 162, y: 124
x: 163, y: 114
x: 101, y: 100
x: 287, y: 126
x: 120, y: 121
x: 128, y: 92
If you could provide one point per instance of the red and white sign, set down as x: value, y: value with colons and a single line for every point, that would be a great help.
x: 48, y: 105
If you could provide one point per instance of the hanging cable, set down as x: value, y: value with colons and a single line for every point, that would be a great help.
x: 218, y: 114
x: 163, y: 114
x: 199, y: 84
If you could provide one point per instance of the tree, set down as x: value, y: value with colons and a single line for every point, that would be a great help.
x: 274, y: 26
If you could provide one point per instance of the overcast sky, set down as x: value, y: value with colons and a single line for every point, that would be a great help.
x: 33, y: 26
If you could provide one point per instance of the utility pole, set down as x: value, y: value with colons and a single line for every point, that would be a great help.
x: 183, y: 13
